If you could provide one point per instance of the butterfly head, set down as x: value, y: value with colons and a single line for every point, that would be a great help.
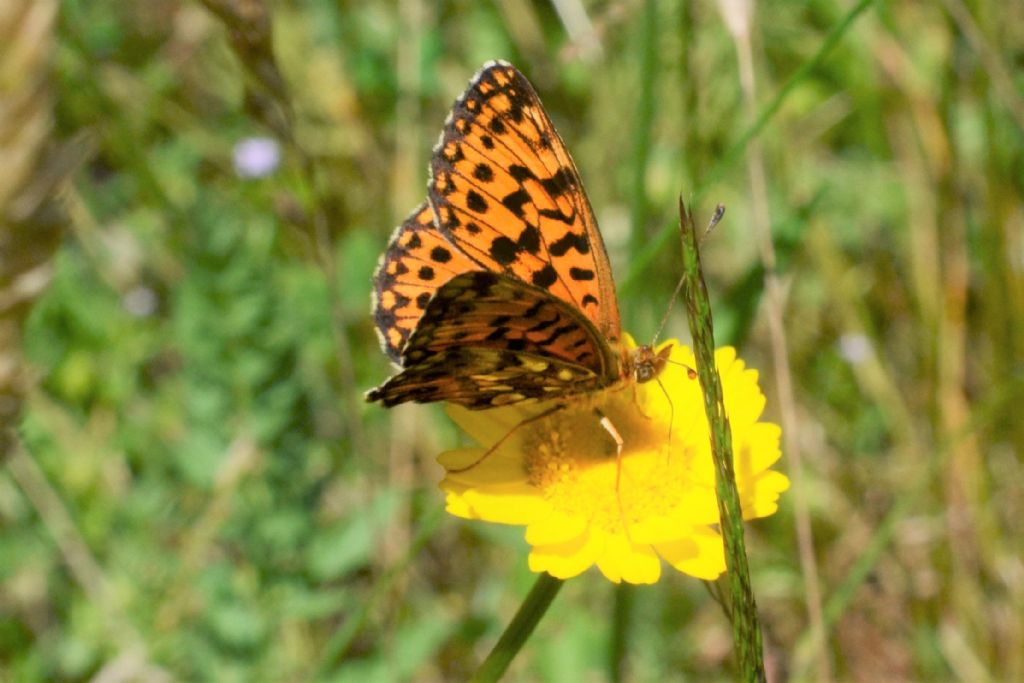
x: 645, y: 364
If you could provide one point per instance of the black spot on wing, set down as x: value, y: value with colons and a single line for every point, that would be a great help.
x: 483, y: 173
x: 529, y: 240
x: 569, y: 240
x: 545, y: 277
x: 514, y: 201
x: 557, y: 215
x: 476, y: 202
x: 440, y: 255
x: 520, y: 173
x: 503, y: 250
x: 558, y: 184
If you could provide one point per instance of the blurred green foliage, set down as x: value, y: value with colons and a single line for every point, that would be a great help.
x: 211, y: 499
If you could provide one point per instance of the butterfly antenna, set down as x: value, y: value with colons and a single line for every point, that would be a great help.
x: 715, y: 218
x: 497, y: 444
x: 671, y: 303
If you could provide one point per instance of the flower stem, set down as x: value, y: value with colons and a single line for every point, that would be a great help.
x: 523, y: 623
x: 742, y: 608
x: 622, y: 630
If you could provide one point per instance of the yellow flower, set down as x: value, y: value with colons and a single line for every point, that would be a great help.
x: 559, y: 474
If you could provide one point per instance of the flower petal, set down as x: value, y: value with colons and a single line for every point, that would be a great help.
x: 658, y: 529
x: 629, y: 562
x: 565, y: 560
x: 486, y: 426
x: 477, y: 467
x: 455, y: 504
x: 511, y: 504
x: 744, y: 401
x: 556, y: 528
x: 760, y: 448
x: 701, y: 555
x: 763, y: 499
x: 698, y: 506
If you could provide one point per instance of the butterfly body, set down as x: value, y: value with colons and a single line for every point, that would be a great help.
x: 498, y: 289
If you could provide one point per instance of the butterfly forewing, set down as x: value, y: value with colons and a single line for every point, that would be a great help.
x: 506, y: 192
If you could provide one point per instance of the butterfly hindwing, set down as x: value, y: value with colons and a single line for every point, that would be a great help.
x: 488, y: 339
x: 480, y: 377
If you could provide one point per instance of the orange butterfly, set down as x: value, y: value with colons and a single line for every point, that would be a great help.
x: 498, y: 290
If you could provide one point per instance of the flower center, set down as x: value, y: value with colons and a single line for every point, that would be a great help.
x: 574, y: 462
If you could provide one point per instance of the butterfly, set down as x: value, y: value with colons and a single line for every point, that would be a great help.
x: 498, y: 290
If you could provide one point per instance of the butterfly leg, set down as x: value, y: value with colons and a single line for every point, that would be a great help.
x: 671, y: 412
x: 539, y: 416
x: 636, y: 401
x: 607, y: 425
x: 671, y: 407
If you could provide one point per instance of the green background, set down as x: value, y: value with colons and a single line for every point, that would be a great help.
x: 197, y: 490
